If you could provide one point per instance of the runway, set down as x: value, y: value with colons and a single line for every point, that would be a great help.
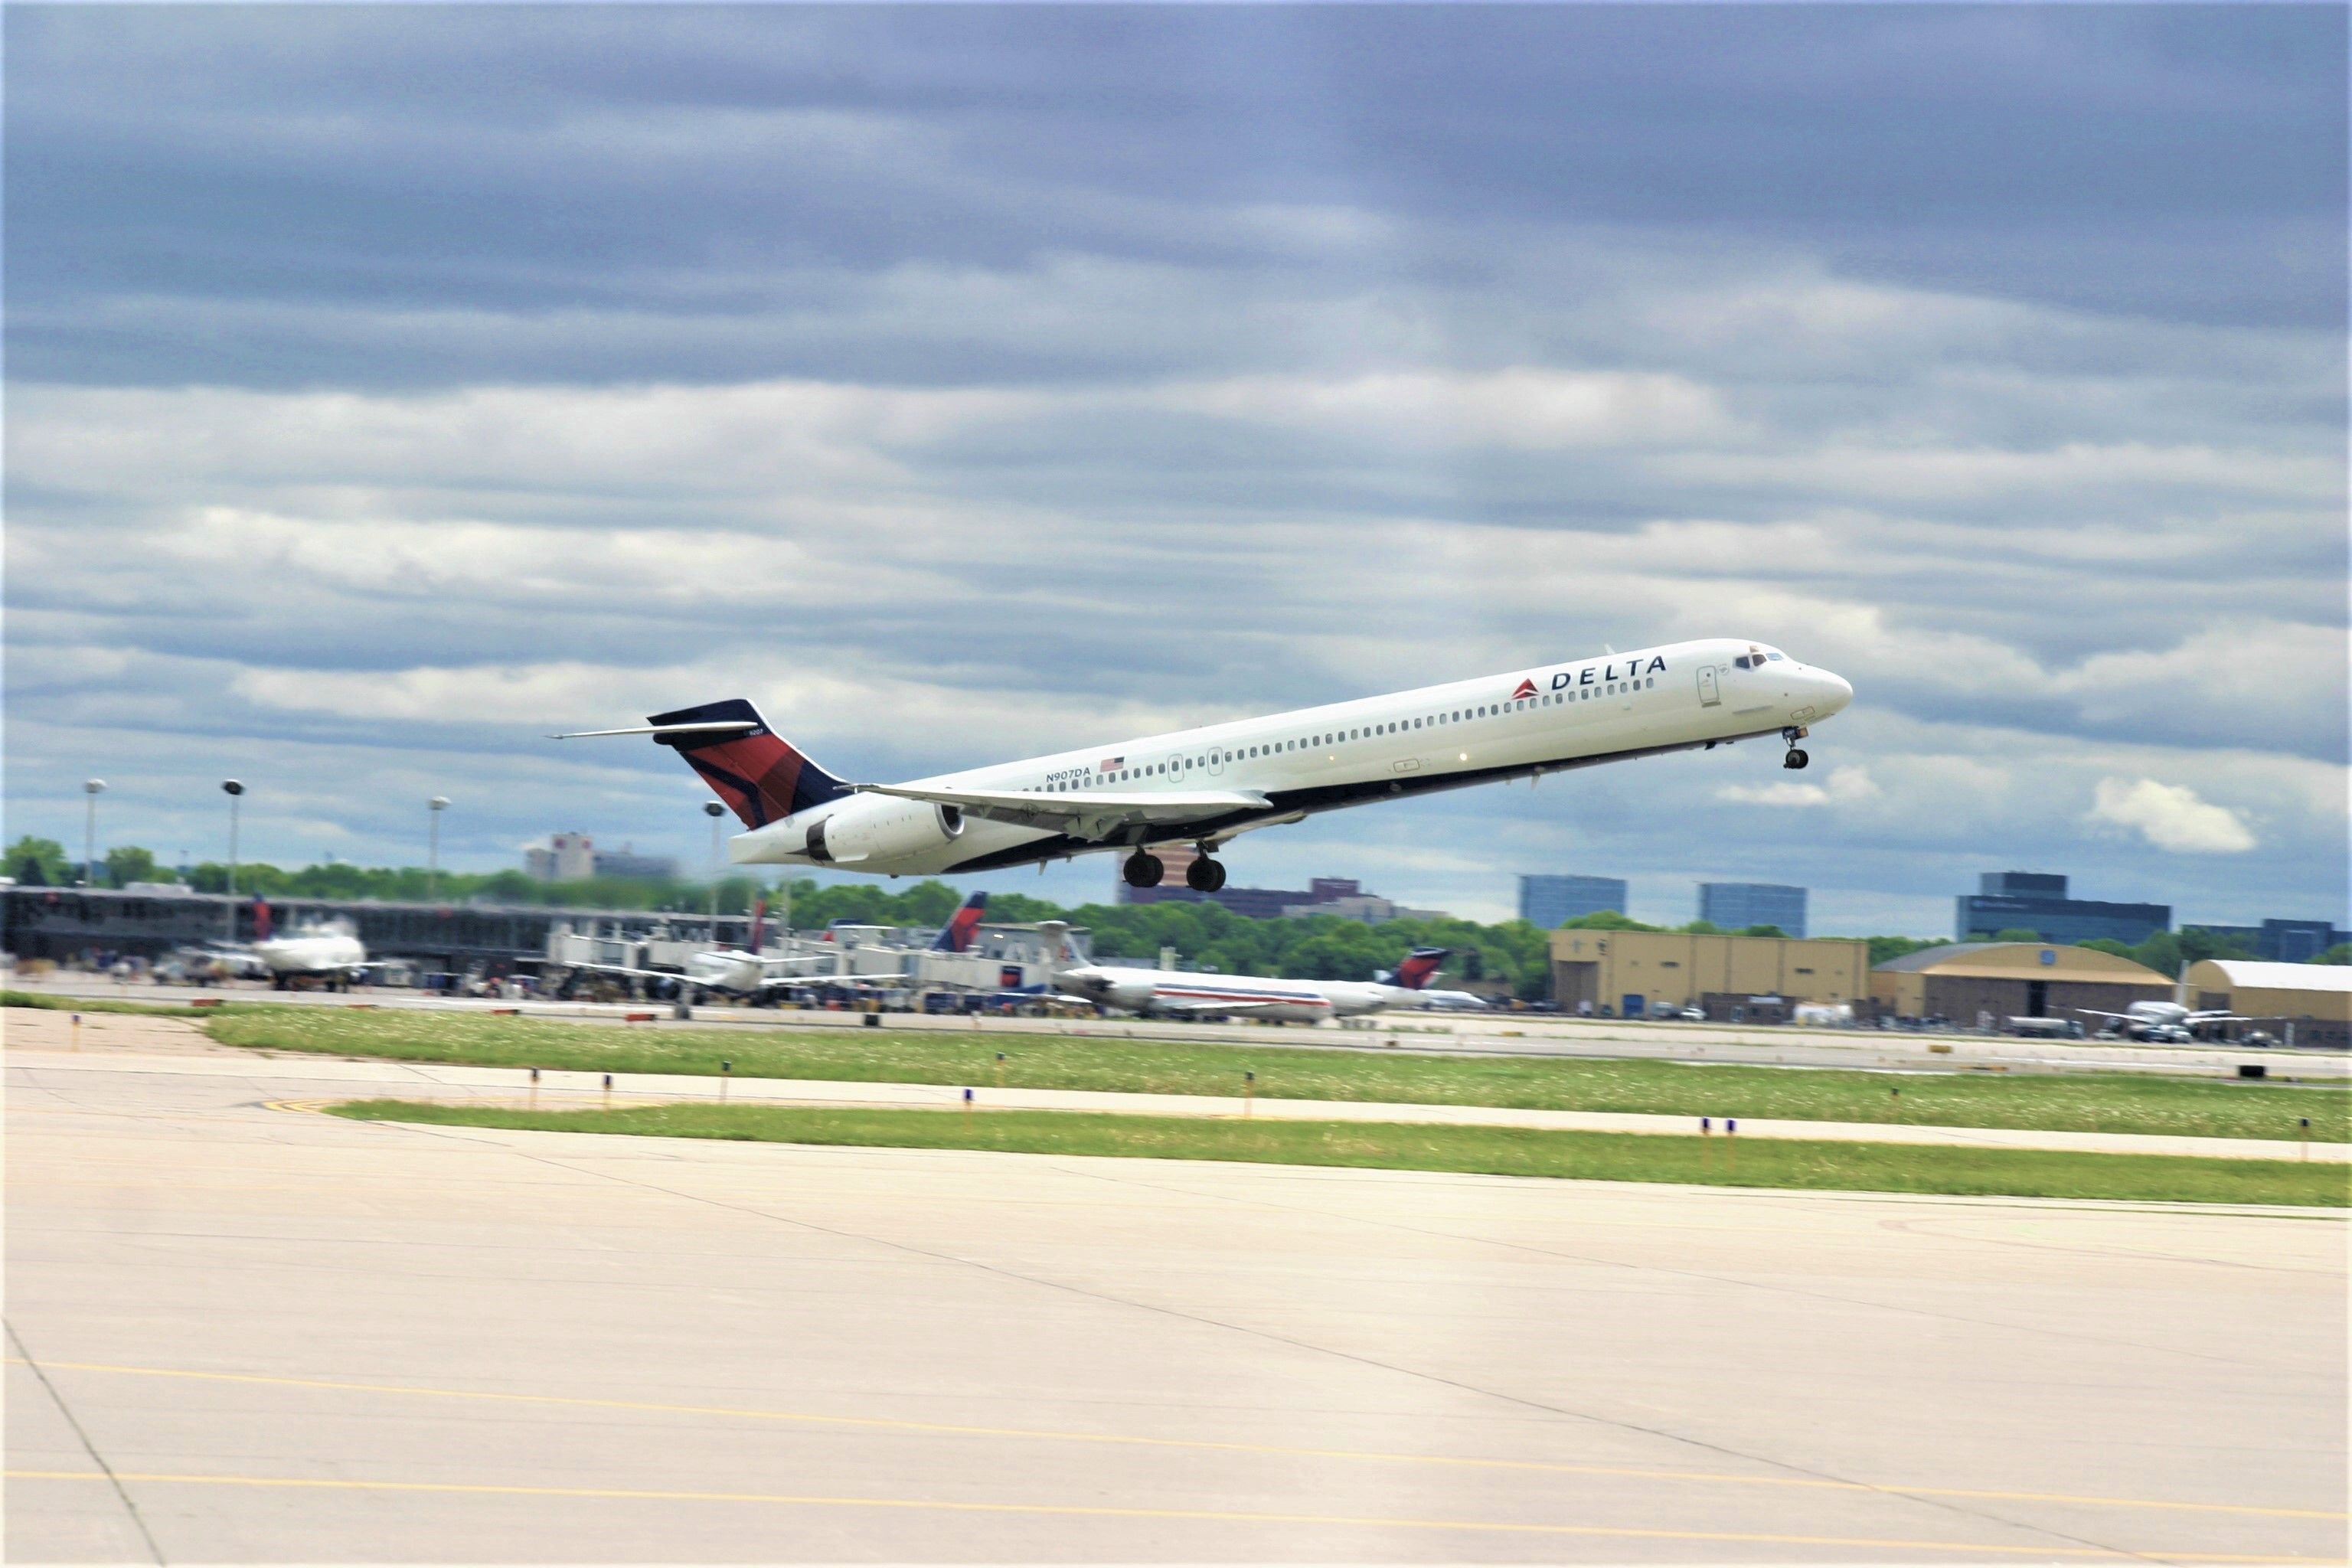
x: 239, y: 1333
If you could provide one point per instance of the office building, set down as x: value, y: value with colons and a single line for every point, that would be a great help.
x: 2280, y: 941
x: 574, y: 857
x: 1551, y: 901
x: 2037, y: 901
x: 1340, y: 896
x: 1736, y: 906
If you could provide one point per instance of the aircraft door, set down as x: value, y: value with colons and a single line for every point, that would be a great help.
x: 1709, y: 694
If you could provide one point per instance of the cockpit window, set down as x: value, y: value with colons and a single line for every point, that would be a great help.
x: 1774, y: 655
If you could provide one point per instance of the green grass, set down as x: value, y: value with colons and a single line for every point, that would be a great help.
x: 103, y: 1004
x: 2102, y: 1103
x: 1493, y: 1151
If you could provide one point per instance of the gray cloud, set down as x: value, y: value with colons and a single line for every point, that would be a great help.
x: 390, y: 387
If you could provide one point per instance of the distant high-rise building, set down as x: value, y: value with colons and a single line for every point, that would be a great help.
x: 1736, y: 906
x: 626, y: 862
x: 1550, y: 901
x: 2281, y: 942
x: 564, y: 857
x: 2037, y: 901
x: 574, y: 857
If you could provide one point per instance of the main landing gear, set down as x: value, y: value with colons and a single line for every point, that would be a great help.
x: 1145, y: 870
x: 1797, y: 757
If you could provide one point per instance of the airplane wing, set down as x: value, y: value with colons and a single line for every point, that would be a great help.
x: 625, y: 969
x: 1092, y: 814
x: 2219, y: 1015
x: 2120, y: 1017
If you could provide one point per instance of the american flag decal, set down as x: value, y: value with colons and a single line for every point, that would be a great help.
x: 1110, y: 764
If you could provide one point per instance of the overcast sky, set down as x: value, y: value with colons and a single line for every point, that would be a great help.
x: 388, y: 388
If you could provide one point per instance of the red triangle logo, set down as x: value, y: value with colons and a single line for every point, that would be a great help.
x: 1527, y: 689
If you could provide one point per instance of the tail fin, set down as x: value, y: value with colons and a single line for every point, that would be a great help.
x: 957, y: 934
x: 1420, y: 965
x: 754, y: 770
x: 759, y: 925
x: 260, y: 920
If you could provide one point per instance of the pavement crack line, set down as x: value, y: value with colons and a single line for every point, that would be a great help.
x: 1944, y: 1502
x: 81, y: 1435
x: 1269, y: 1336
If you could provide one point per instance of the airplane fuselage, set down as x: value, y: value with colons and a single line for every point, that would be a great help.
x: 1179, y: 993
x: 1676, y: 697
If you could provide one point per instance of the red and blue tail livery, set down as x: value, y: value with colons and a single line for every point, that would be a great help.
x: 1419, y: 965
x: 762, y: 776
x: 957, y: 934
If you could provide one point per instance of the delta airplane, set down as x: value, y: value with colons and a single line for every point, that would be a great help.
x: 327, y: 950
x: 1205, y: 786
x: 1176, y: 992
x: 748, y: 971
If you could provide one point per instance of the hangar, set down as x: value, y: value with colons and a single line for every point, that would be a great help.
x: 1981, y: 983
x: 1634, y: 973
x: 2304, y: 1003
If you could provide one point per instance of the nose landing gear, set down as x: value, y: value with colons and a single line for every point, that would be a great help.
x: 1797, y: 757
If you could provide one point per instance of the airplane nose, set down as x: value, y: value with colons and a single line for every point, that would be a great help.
x: 1840, y: 692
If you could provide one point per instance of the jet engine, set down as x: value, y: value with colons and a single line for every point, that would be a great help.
x: 878, y: 827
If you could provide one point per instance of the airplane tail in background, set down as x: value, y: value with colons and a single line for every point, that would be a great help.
x: 957, y: 934
x: 755, y: 771
x: 759, y: 925
x: 1419, y: 966
x: 260, y: 920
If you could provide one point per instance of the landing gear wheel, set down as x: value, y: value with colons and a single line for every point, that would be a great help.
x: 1797, y: 758
x: 1143, y: 869
x: 1204, y: 876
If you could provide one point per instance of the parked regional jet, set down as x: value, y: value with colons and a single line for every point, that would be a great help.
x: 1177, y: 993
x: 1204, y: 786
x: 329, y: 952
x: 1413, y: 975
x: 2164, y: 1022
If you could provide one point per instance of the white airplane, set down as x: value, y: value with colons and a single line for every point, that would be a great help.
x: 328, y: 950
x: 1411, y: 977
x: 2163, y: 1022
x: 1206, y: 785
x: 1175, y: 993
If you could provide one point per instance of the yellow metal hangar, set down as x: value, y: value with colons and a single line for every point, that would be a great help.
x: 1969, y: 982
x: 2303, y: 1004
x: 1631, y: 974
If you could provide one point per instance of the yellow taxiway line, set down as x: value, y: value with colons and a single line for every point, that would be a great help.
x: 940, y: 1428
x: 1083, y: 1511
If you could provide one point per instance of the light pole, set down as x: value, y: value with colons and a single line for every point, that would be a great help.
x: 92, y: 788
x: 235, y: 789
x: 433, y: 810
x: 713, y: 810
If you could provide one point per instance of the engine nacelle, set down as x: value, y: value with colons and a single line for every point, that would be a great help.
x: 878, y: 827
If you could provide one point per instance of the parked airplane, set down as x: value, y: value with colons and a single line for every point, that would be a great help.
x: 751, y: 974
x: 2166, y: 1023
x: 326, y: 951
x: 1178, y: 994
x: 1204, y: 786
x: 1413, y: 975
